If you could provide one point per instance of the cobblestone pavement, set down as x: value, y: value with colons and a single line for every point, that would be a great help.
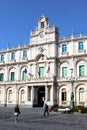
x: 32, y: 119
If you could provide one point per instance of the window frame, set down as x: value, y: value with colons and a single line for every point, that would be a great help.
x: 12, y: 55
x: 80, y: 71
x: 42, y: 24
x: 81, y: 46
x: 64, y: 74
x: 12, y: 78
x: 2, y: 57
x: 63, y: 95
x: 24, y: 54
x: 1, y: 77
x: 81, y: 95
x: 64, y: 48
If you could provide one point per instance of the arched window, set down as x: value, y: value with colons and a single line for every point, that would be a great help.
x: 22, y: 95
x: 9, y: 95
x: 81, y: 94
x: 63, y: 94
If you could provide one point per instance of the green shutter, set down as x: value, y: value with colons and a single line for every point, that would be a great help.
x: 64, y: 72
x: 41, y: 72
x: 1, y: 77
x: 81, y: 70
x: 24, y: 75
x: 12, y: 76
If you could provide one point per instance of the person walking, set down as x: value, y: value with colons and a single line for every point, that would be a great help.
x: 46, y: 108
x: 16, y: 113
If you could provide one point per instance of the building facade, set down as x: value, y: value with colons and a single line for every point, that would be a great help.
x: 42, y: 69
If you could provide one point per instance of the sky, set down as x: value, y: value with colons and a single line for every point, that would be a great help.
x: 19, y: 17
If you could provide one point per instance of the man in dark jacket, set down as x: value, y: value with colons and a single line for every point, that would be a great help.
x: 16, y: 113
x: 46, y: 109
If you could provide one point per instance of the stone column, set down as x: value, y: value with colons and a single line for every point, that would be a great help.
x: 18, y: 73
x: 32, y: 95
x: 16, y: 95
x: 7, y: 74
x: 27, y: 93
x: 46, y: 92
x: 4, y: 96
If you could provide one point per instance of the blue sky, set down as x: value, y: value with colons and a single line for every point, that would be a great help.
x: 19, y: 17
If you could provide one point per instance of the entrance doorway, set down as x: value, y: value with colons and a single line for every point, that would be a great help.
x: 41, y: 95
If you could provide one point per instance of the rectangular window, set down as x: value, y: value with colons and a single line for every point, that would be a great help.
x: 2, y: 57
x: 42, y: 24
x: 82, y: 70
x: 24, y: 54
x: 42, y: 72
x: 64, y: 72
x: 12, y: 56
x: 1, y: 77
x: 80, y: 46
x: 24, y: 74
x: 64, y: 48
x: 12, y: 76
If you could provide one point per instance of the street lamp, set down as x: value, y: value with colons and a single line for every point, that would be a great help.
x: 72, y: 93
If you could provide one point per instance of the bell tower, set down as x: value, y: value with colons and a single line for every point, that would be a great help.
x: 44, y: 33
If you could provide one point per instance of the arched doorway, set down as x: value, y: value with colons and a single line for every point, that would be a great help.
x: 41, y: 94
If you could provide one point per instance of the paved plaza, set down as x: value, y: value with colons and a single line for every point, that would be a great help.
x: 32, y: 119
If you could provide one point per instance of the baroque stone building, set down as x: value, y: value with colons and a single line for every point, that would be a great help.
x: 42, y: 69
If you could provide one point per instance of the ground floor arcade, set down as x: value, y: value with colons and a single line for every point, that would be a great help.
x: 33, y: 95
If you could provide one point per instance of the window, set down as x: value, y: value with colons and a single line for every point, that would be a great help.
x: 12, y: 56
x: 42, y: 24
x: 64, y: 72
x: 41, y: 72
x: 24, y: 74
x: 22, y: 96
x: 80, y: 46
x: 82, y: 70
x: 12, y: 76
x: 64, y: 48
x: 2, y: 57
x: 10, y: 95
x: 81, y: 94
x: 64, y: 95
x: 1, y: 76
x: 24, y: 54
